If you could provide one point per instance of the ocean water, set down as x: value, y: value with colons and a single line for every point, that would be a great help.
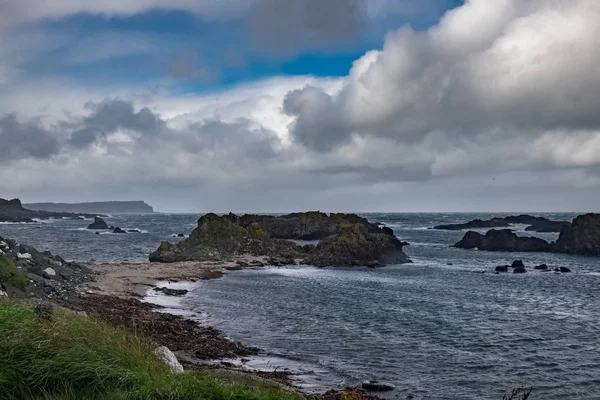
x: 437, y: 328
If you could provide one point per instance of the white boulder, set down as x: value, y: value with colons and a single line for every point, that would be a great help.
x: 3, y: 293
x: 50, y: 271
x: 3, y: 244
x: 24, y: 256
x: 167, y: 356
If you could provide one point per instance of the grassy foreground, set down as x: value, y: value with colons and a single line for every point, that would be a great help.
x: 66, y: 356
x: 10, y: 274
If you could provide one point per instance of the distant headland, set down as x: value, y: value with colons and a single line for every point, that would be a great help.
x: 102, y: 207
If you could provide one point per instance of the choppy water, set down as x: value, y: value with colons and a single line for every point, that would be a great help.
x: 437, y: 331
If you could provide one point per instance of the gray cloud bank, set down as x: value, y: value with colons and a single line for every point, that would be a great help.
x: 494, y: 106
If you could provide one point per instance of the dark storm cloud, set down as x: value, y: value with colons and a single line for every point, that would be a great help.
x: 113, y: 114
x: 25, y: 139
x: 286, y: 27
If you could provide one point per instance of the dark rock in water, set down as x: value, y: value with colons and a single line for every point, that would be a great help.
x: 581, y: 237
x: 350, y: 240
x: 475, y: 224
x: 171, y: 292
x: 134, y: 231
x: 98, y: 223
x: 502, y: 268
x: 541, y: 267
x: 563, y: 269
x: 118, y: 230
x: 517, y: 264
x: 537, y: 224
x: 502, y: 240
x: 547, y: 226
x: 97, y: 233
x: 181, y: 235
x: 405, y: 243
x: 519, y: 270
x: 356, y: 245
x: 376, y: 386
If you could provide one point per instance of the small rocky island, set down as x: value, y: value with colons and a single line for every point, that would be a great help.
x: 345, y: 240
x: 536, y: 224
x: 13, y: 211
x: 581, y: 237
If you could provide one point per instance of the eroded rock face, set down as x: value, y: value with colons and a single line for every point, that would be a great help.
x: 581, y: 237
x: 350, y: 240
x: 356, y: 245
x: 502, y: 240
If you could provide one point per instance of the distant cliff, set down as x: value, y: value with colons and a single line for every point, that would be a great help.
x: 103, y: 207
x: 13, y: 211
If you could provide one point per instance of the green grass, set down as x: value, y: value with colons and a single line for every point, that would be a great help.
x: 73, y: 357
x: 11, y: 275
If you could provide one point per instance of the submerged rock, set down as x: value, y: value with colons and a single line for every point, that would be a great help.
x: 542, y: 267
x: 376, y: 386
x: 475, y: 224
x: 98, y: 224
x: 519, y: 270
x: 171, y: 292
x: 502, y: 268
x: 517, y: 264
x: 118, y: 230
x: 562, y: 269
x: 502, y: 240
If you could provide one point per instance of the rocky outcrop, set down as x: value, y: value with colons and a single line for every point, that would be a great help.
x: 167, y: 356
x: 313, y: 225
x: 502, y: 240
x: 98, y: 224
x: 581, y: 237
x: 537, y: 224
x: 349, y: 240
x: 13, y: 211
x: 357, y: 245
x: 475, y: 224
x: 39, y: 274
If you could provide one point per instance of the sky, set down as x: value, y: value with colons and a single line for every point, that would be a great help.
x: 275, y: 106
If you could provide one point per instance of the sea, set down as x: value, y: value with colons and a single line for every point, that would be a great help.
x: 444, y: 327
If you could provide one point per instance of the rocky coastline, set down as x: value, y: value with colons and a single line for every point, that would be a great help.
x: 13, y: 211
x: 581, y: 237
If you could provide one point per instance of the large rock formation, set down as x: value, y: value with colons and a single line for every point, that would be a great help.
x: 537, y: 224
x: 581, y: 237
x: 502, y: 240
x: 349, y: 240
x: 13, y: 211
x: 356, y: 245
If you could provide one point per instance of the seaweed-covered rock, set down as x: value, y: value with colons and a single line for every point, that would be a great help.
x: 581, y: 237
x: 502, y: 240
x: 356, y: 245
x: 98, y: 224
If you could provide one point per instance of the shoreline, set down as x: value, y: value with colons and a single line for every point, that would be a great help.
x: 126, y: 288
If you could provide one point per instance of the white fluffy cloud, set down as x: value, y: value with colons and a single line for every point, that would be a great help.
x: 495, y: 107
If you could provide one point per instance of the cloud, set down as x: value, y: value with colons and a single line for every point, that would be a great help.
x: 16, y: 12
x: 286, y: 28
x: 20, y: 139
x: 111, y: 115
x: 508, y: 67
